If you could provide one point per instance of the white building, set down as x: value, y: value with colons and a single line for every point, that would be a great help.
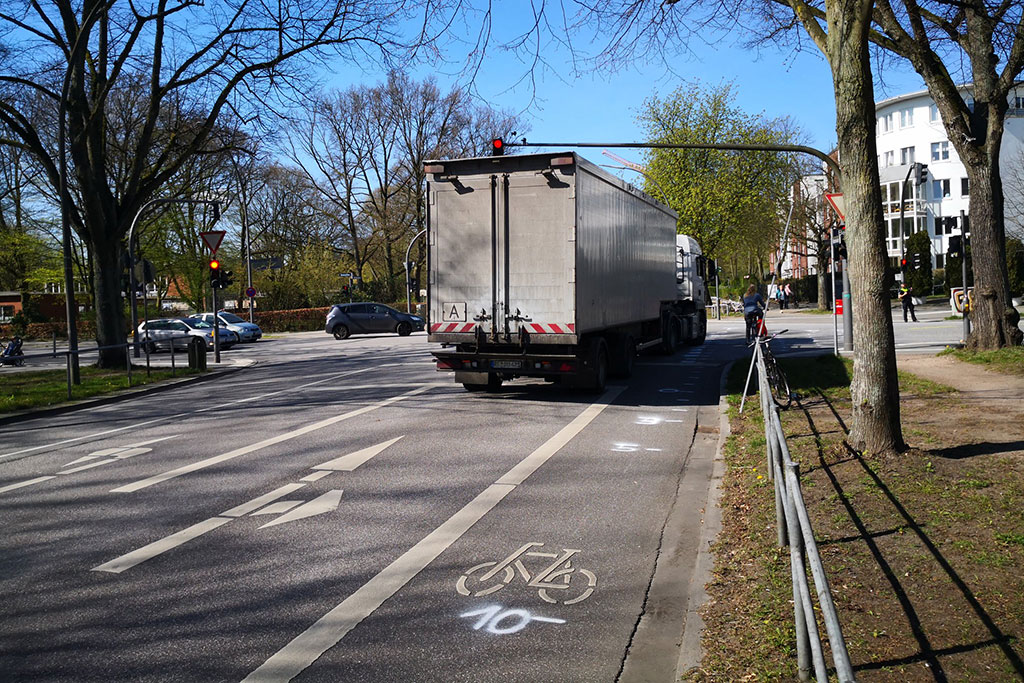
x: 910, y: 130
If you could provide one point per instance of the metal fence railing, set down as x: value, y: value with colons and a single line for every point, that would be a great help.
x: 127, y: 346
x: 794, y: 529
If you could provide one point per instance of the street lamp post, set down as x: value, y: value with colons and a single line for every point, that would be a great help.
x: 408, y: 279
x: 133, y: 306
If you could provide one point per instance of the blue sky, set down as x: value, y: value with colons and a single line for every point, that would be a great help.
x: 603, y: 108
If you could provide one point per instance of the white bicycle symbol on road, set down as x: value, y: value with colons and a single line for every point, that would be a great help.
x: 559, y: 578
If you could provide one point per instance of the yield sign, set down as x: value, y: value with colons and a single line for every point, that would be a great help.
x: 213, y: 238
x: 838, y: 203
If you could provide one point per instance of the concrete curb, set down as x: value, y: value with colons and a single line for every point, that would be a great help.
x: 123, y: 395
x: 690, y: 651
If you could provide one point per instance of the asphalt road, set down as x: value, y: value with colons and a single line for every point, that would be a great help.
x: 341, y: 511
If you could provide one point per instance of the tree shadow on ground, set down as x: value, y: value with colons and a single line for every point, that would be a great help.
x: 928, y: 653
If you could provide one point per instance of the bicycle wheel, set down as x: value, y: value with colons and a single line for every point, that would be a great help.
x: 777, y: 379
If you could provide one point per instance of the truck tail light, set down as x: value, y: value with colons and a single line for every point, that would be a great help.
x: 433, y: 168
x: 566, y: 367
x: 447, y: 364
x: 562, y: 161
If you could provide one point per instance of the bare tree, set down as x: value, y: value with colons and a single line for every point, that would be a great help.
x: 191, y: 63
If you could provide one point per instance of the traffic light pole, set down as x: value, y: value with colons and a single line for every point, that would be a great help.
x: 963, y: 269
x: 216, y: 327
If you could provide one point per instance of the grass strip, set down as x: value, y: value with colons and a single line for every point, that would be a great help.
x: 1009, y: 361
x: 43, y: 388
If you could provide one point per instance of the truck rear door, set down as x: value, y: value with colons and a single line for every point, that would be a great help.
x: 502, y: 257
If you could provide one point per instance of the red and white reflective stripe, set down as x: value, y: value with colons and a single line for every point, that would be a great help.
x: 551, y: 328
x: 452, y: 327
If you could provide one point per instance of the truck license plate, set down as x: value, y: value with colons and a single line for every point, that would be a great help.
x: 507, y: 364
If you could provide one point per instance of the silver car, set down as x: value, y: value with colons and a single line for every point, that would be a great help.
x: 246, y: 331
x: 163, y: 332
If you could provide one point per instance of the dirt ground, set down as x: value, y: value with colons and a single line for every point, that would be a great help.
x: 924, y: 550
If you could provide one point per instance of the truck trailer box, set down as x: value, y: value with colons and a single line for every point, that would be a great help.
x: 546, y: 244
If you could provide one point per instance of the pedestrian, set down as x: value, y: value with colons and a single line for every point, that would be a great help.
x: 790, y: 299
x: 907, y: 298
x: 780, y: 296
x: 753, y: 305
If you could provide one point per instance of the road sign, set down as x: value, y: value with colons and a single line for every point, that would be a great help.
x: 250, y: 292
x: 213, y: 238
x: 344, y: 274
x: 839, y: 306
x: 838, y: 204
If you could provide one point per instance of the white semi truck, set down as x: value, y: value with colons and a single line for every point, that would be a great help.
x: 545, y: 265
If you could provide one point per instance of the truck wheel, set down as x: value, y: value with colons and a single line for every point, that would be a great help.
x: 600, y: 380
x: 473, y: 387
x: 624, y: 356
x: 670, y: 338
x: 493, y: 381
x: 702, y: 328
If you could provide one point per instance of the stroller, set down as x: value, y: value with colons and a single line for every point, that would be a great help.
x: 12, y: 354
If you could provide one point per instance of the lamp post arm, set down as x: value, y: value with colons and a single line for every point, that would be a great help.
x: 408, y: 275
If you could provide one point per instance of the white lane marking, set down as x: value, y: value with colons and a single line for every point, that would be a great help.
x: 259, y: 501
x: 316, y: 475
x: 280, y: 507
x: 148, y: 552
x: 350, y: 462
x: 320, y: 505
x: 29, y: 482
x: 280, y: 438
x: 305, y: 648
x: 118, y: 565
x: 248, y: 400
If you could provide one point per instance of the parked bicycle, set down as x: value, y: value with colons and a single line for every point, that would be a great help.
x: 781, y: 393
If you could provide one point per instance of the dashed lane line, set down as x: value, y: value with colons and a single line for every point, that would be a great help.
x: 259, y: 445
x: 247, y: 400
x: 309, y: 645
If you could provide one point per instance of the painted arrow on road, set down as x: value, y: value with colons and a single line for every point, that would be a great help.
x: 328, y: 502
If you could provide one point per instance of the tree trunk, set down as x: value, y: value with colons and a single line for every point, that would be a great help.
x: 110, y: 321
x: 874, y: 390
x: 994, y: 318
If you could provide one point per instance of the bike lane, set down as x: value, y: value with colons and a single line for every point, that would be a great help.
x: 550, y: 581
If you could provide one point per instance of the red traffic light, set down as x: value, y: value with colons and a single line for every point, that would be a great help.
x: 214, y: 264
x: 903, y: 263
x: 497, y: 147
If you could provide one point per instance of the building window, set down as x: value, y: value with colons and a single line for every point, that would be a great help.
x: 906, y: 156
x: 939, y: 225
x: 940, y: 260
x: 1018, y: 102
x: 6, y: 313
x: 885, y: 123
x: 965, y: 187
x: 906, y: 118
x: 940, y: 151
x: 933, y: 114
x: 940, y: 188
x: 889, y: 158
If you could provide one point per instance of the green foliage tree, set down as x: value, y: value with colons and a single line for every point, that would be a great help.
x: 729, y: 201
x: 1015, y: 265
x: 920, y: 281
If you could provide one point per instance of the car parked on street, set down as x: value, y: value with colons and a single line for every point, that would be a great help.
x: 246, y: 331
x: 161, y: 333
x: 369, y: 318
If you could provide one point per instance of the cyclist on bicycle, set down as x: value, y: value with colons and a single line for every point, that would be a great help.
x: 753, y: 310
